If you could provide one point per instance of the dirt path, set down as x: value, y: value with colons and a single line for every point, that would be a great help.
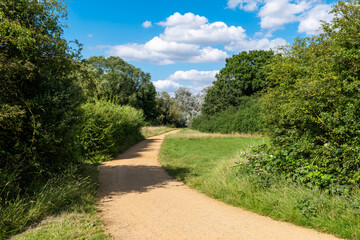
x: 139, y: 200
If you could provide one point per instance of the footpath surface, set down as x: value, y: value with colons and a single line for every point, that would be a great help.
x: 139, y: 200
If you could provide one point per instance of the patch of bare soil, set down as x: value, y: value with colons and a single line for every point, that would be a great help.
x: 139, y: 200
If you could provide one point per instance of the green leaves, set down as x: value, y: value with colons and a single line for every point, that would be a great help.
x: 115, y: 80
x: 39, y: 97
x: 312, y: 112
x: 108, y: 128
x: 243, y: 75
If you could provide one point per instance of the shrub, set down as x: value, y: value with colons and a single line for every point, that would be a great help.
x: 39, y: 97
x: 312, y: 115
x: 109, y: 128
x: 244, y: 119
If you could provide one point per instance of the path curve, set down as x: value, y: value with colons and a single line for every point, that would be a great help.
x: 139, y: 200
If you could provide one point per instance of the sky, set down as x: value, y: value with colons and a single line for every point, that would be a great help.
x: 185, y: 43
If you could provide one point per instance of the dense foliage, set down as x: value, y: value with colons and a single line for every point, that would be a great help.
x: 190, y: 105
x: 108, y: 129
x: 113, y: 79
x: 167, y: 109
x: 243, y: 75
x: 46, y: 127
x: 231, y: 104
x: 39, y: 97
x: 245, y: 119
x: 313, y: 115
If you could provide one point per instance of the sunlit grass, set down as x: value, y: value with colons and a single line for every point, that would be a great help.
x: 150, y: 131
x: 65, y: 208
x: 210, y: 165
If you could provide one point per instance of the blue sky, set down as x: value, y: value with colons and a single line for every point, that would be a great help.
x: 185, y: 43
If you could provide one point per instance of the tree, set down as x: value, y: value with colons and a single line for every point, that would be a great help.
x: 168, y: 109
x: 39, y: 97
x: 313, y: 115
x: 119, y: 82
x: 243, y: 75
x: 190, y: 105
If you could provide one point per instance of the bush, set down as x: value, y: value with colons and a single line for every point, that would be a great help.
x: 244, y: 119
x: 313, y: 114
x: 109, y: 128
x: 39, y: 95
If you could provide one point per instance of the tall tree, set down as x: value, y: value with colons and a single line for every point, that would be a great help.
x: 190, y: 105
x: 313, y: 115
x: 119, y: 82
x: 39, y: 97
x: 243, y: 75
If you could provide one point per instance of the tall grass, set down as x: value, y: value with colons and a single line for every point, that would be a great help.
x: 73, y: 191
x: 210, y: 165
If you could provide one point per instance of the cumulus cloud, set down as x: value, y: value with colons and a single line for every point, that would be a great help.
x: 191, y: 28
x: 147, y: 24
x: 193, y: 79
x: 252, y: 44
x: 310, y: 22
x: 190, y: 38
x: 166, y: 85
x: 158, y: 51
x: 276, y: 13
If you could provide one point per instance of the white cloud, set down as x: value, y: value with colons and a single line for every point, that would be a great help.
x: 147, y: 24
x: 276, y: 13
x: 166, y: 85
x: 193, y: 79
x: 310, y: 22
x: 90, y: 35
x: 159, y: 51
x: 190, y: 38
x: 247, y: 5
x: 190, y: 28
x: 256, y: 44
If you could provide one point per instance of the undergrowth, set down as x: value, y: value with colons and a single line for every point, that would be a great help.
x: 70, y: 193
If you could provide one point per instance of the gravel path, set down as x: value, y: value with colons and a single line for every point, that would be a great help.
x: 139, y: 200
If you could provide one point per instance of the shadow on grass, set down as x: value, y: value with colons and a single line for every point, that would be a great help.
x: 180, y: 173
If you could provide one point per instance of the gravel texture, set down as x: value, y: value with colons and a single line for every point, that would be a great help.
x: 139, y: 200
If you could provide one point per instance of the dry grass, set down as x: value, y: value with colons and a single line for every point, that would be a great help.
x: 193, y: 134
x: 150, y: 131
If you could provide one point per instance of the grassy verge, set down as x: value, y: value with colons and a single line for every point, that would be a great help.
x: 154, y: 131
x: 209, y: 165
x: 63, y: 209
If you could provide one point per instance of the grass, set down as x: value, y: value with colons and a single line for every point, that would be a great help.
x: 209, y: 163
x: 149, y: 131
x: 63, y: 209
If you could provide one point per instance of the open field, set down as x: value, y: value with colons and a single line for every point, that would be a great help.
x: 210, y: 165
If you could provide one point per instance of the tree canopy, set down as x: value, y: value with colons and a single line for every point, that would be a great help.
x: 313, y: 113
x: 243, y: 75
x: 39, y: 97
x: 119, y: 82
